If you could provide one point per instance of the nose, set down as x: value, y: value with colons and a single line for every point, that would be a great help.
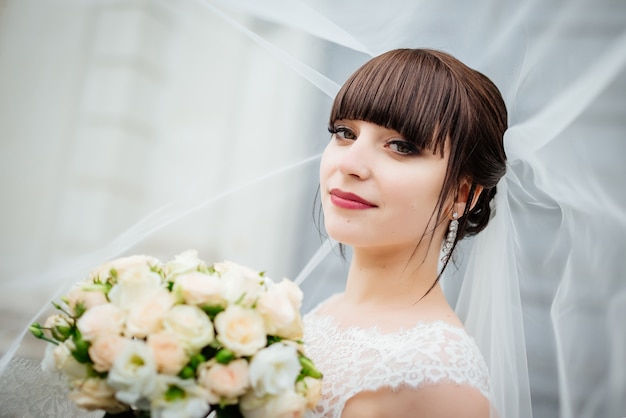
x: 355, y: 161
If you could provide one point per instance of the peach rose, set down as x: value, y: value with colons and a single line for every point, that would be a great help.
x: 104, y: 351
x: 225, y: 380
x: 168, y: 352
x: 146, y: 316
x: 101, y: 320
x: 94, y: 394
x: 240, y: 330
x: 199, y: 289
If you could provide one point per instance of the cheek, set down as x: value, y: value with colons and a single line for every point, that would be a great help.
x: 325, y: 167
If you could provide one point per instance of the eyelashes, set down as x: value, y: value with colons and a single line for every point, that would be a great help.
x: 399, y: 146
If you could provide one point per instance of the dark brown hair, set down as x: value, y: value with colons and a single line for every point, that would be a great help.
x: 434, y: 100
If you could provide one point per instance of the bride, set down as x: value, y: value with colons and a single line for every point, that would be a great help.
x: 155, y: 126
x: 413, y: 162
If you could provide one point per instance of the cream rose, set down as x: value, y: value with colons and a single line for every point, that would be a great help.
x: 146, y: 316
x: 311, y: 390
x: 94, y: 394
x: 286, y: 405
x: 101, y: 320
x: 240, y: 330
x: 191, y: 324
x: 88, y: 298
x: 280, y: 308
x: 57, y: 327
x: 274, y: 369
x: 123, y: 265
x: 168, y: 351
x: 104, y: 351
x: 66, y: 363
x: 227, y: 381
x: 240, y: 284
x: 199, y: 289
x: 134, y: 287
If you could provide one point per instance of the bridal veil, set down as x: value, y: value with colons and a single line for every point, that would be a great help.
x: 154, y: 126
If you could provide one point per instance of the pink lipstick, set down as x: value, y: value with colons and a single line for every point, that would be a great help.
x: 347, y: 200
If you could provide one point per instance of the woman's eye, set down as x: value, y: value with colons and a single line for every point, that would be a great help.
x: 402, y: 147
x: 343, y: 132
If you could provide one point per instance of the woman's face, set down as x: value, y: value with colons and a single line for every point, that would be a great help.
x: 377, y: 190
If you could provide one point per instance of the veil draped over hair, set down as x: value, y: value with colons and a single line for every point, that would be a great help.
x: 154, y: 126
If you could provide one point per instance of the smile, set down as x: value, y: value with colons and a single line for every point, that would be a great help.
x: 347, y: 200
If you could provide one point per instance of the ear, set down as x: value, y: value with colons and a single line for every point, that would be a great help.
x: 463, y: 196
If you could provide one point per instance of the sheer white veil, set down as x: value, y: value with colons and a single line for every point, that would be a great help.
x: 155, y: 126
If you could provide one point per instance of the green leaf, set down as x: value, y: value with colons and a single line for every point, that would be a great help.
x: 213, y: 310
x: 187, y: 373
x: 224, y: 356
x: 308, y: 368
x: 81, y: 352
x: 174, y: 393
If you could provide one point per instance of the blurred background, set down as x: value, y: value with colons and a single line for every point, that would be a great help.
x: 154, y: 126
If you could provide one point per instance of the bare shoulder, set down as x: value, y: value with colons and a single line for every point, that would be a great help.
x: 443, y: 400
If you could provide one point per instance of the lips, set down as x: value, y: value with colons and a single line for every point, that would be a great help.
x: 348, y: 200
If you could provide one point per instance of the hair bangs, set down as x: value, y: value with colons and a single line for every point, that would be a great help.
x: 406, y: 91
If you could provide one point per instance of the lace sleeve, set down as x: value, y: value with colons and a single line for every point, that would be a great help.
x: 27, y: 391
x: 354, y: 360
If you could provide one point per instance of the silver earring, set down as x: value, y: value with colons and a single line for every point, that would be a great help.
x: 449, y: 242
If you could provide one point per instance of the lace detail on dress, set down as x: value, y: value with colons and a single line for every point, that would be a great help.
x: 355, y: 359
x: 26, y: 391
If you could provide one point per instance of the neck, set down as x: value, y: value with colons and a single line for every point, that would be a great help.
x: 391, y: 278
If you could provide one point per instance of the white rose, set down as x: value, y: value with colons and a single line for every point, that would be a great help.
x: 274, y: 369
x: 280, y: 308
x: 168, y: 351
x: 240, y: 284
x: 199, y: 289
x: 240, y: 330
x: 185, y: 262
x: 94, y: 394
x: 191, y: 404
x: 104, y: 351
x: 227, y: 381
x: 133, y: 374
x: 286, y: 405
x: 311, y: 390
x: 146, y: 316
x: 101, y: 320
x: 66, y: 363
x: 191, y: 324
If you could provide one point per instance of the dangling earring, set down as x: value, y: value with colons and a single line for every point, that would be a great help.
x: 449, y: 242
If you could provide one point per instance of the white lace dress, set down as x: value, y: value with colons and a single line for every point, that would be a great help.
x: 356, y: 359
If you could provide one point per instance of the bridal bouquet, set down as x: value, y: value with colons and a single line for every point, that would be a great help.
x: 182, y: 339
